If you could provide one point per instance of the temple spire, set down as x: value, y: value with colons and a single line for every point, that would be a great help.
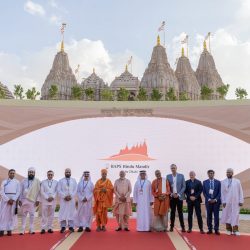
x: 158, y: 40
x: 126, y: 68
x: 62, y: 46
x: 205, y: 45
x: 94, y: 70
x: 182, y: 52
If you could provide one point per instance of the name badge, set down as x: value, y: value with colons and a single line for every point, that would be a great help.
x: 211, y: 191
x: 141, y: 191
x: 192, y: 191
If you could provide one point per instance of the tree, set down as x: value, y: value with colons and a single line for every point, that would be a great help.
x: 76, y: 92
x: 18, y: 91
x: 142, y: 94
x: 170, y: 95
x: 32, y: 93
x: 222, y: 90
x: 2, y: 93
x: 183, y: 96
x: 53, y: 91
x: 89, y: 92
x: 156, y: 95
x: 241, y: 93
x: 122, y: 94
x: 206, y: 92
x: 106, y: 95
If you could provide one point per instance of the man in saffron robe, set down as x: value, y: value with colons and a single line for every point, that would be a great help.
x: 161, y: 193
x: 103, y: 196
x: 122, y: 208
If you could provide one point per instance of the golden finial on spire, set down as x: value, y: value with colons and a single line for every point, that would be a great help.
x: 126, y: 68
x: 93, y: 70
x: 62, y: 46
x: 205, y: 45
x: 182, y: 52
x: 158, y: 40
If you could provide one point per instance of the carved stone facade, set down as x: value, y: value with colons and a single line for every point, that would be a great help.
x: 60, y: 75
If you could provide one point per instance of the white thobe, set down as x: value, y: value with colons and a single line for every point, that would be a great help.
x: 83, y: 216
x: 142, y: 197
x: 231, y: 195
x: 67, y: 186
x: 28, y: 207
x: 48, y: 189
x: 10, y: 189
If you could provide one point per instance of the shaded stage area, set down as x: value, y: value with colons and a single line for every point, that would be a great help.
x: 208, y: 242
x: 112, y: 240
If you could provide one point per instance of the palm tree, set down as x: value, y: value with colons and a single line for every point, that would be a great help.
x: 2, y: 93
x: 206, y: 92
x: 241, y: 93
x: 106, y: 95
x: 122, y: 94
x: 170, y: 95
x: 76, y: 92
x: 183, y: 96
x: 53, y: 91
x: 18, y: 91
x: 223, y: 90
x: 32, y: 93
x: 142, y: 94
x: 156, y: 95
x: 89, y: 92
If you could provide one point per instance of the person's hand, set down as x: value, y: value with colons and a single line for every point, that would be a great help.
x: 123, y: 199
x: 192, y: 198
x: 224, y: 205
x: 10, y: 202
x: 175, y: 196
x: 37, y: 203
x: 20, y: 203
x: 135, y: 204
x: 104, y: 190
x: 85, y: 199
x: 50, y: 199
x: 240, y: 204
x: 151, y: 203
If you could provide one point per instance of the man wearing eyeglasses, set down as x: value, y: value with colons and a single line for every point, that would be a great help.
x: 48, y: 199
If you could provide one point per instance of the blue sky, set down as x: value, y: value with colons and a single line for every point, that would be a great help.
x: 103, y: 34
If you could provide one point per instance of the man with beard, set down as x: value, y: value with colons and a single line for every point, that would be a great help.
x: 30, y: 188
x: 85, y: 189
x: 10, y: 191
x: 67, y: 188
x: 48, y: 200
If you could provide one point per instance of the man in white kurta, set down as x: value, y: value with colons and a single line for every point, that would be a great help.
x: 67, y: 188
x: 30, y: 189
x: 10, y: 191
x: 83, y: 218
x: 232, y: 199
x: 48, y: 195
x: 143, y: 199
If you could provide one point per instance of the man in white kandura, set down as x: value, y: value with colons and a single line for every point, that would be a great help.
x: 143, y: 200
x: 10, y: 191
x: 67, y: 188
x: 83, y: 218
x: 232, y: 199
x: 48, y: 199
x: 30, y: 189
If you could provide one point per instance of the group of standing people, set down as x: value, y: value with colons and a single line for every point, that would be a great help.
x: 162, y: 194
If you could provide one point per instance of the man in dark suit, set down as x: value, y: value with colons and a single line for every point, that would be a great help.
x: 212, y: 193
x: 177, y: 188
x: 193, y: 196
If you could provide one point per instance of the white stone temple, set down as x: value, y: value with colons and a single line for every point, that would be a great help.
x: 60, y: 75
x: 7, y: 93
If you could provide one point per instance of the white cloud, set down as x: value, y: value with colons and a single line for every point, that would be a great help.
x: 34, y: 8
x: 32, y: 69
x: 54, y: 19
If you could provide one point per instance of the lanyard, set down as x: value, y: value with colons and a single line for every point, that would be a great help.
x: 229, y: 183
x: 30, y: 183
x: 142, y: 184
x: 212, y: 184
x: 8, y: 181
x: 84, y: 186
x: 68, y: 182
x: 50, y: 183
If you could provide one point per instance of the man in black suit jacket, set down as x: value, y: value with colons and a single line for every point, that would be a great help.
x: 193, y: 195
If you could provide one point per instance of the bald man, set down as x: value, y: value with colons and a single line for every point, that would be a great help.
x: 232, y: 199
x: 193, y: 195
x: 67, y: 189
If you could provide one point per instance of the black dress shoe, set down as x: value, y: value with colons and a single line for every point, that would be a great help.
x: 71, y: 229
x: 9, y: 233
x: 80, y: 229
x: 50, y: 231
x: 63, y: 230
x: 217, y: 232
x: 1, y: 233
x: 171, y: 229
x: 189, y: 231
x: 118, y: 229
x: 126, y: 229
x: 104, y: 229
x: 87, y: 229
x: 43, y: 231
x: 201, y: 231
x: 183, y: 230
x: 209, y: 232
